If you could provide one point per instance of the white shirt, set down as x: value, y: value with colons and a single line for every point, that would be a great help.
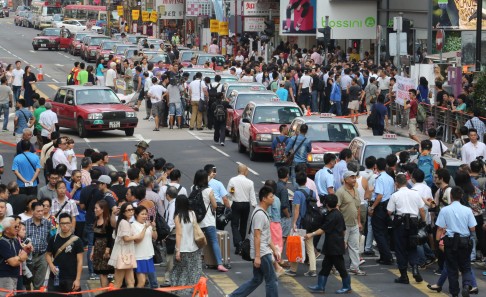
x: 156, y: 92
x: 59, y: 158
x: 424, y: 192
x: 18, y: 76
x: 144, y: 250
x: 110, y: 76
x: 345, y: 81
x: 74, y: 163
x: 213, y: 49
x: 197, y: 90
x: 239, y: 58
x: 470, y: 151
x: 405, y: 201
x: 383, y: 83
x: 436, y: 147
x: 48, y: 118
x: 306, y: 81
x: 239, y: 71
x: 259, y: 77
x: 244, y: 190
x: 247, y: 78
x: 169, y: 213
x: 209, y: 220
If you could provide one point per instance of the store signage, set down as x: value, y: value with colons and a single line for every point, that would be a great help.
x: 173, y: 9
x: 254, y: 8
x: 254, y: 24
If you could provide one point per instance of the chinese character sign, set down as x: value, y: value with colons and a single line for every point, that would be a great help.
x: 119, y: 10
x: 174, y: 9
x: 135, y: 14
x: 145, y: 16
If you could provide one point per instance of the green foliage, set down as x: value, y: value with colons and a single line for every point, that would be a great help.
x: 452, y: 44
x: 479, y: 94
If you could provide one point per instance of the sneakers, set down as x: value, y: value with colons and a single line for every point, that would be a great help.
x: 151, y: 118
x: 5, y: 130
x: 369, y: 253
x: 93, y: 276
x: 310, y: 273
x: 291, y: 273
x: 357, y: 272
x: 222, y: 143
x: 362, y: 261
x: 437, y: 272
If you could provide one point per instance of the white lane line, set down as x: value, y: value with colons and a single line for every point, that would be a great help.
x: 220, y: 151
x: 59, y: 65
x: 55, y: 80
x: 195, y: 136
x: 87, y: 140
x: 32, y: 51
x: 47, y: 75
x: 249, y: 169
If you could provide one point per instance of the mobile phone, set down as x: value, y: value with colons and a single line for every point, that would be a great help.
x: 27, y: 241
x: 151, y: 218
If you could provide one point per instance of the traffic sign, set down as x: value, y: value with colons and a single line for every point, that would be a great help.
x: 439, y: 40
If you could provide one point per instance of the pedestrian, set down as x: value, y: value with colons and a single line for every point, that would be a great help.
x: 474, y: 148
x: 335, y: 96
x: 26, y: 167
x: 476, y: 123
x: 285, y: 203
x: 6, y: 101
x: 62, y: 204
x: 262, y: 253
x: 175, y: 90
x: 197, y: 93
x: 460, y: 142
x: 334, y: 228
x: 242, y: 193
x: 157, y: 93
x: 64, y: 256
x: 345, y: 156
x: 23, y: 119
x: 458, y: 222
x: 17, y: 83
x: 220, y: 194
x: 17, y: 200
x: 412, y: 104
x: 59, y: 157
x: 279, y: 145
x: 26, y: 135
x: 82, y: 77
x: 380, y: 121
x: 28, y: 80
x: 300, y: 146
x: 324, y: 178
x: 282, y: 93
x: 28, y: 210
x: 274, y: 212
x: 9, y: 75
x: 384, y: 187
x: 100, y: 72
x: 144, y: 249
x: 48, y: 122
x: 111, y: 76
x: 354, y: 93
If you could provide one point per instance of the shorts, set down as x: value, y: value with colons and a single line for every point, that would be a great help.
x: 158, y: 108
x: 286, y: 226
x: 175, y: 109
x: 353, y: 105
x: 412, y: 127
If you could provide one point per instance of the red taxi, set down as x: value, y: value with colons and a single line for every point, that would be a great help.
x: 186, y: 56
x: 202, y: 58
x: 238, y: 100
x: 327, y: 135
x: 259, y: 125
x: 91, y: 43
x: 106, y: 48
x: 118, y: 51
x: 155, y: 58
x: 75, y: 46
x: 51, y: 38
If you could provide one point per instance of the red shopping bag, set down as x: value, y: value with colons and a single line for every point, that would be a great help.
x: 295, y: 249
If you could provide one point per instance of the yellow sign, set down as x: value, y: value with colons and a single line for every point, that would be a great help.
x: 161, y: 9
x: 213, y: 26
x: 145, y: 16
x: 153, y: 17
x: 120, y: 10
x: 223, y: 28
x: 135, y: 14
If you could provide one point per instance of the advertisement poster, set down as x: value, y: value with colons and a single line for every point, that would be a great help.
x: 255, y: 24
x: 298, y: 17
x: 457, y: 14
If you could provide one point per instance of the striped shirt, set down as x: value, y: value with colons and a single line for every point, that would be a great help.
x: 39, y: 234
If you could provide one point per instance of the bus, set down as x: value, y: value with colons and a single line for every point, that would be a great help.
x: 42, y: 13
x: 92, y: 13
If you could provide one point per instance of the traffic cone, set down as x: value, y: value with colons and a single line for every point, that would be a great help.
x: 125, y: 162
x: 40, y: 75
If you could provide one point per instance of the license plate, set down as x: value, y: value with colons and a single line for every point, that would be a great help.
x: 43, y: 45
x: 114, y: 125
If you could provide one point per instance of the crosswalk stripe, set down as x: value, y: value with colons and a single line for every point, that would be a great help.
x: 294, y: 286
x: 359, y: 288
x: 54, y: 87
x: 422, y: 287
x: 222, y: 281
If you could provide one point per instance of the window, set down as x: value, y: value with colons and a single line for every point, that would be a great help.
x: 244, y: 99
x: 69, y: 98
x: 60, y: 96
x: 275, y: 114
x: 332, y: 132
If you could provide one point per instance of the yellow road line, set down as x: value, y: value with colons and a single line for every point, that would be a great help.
x: 359, y: 288
x: 226, y: 284
x: 422, y: 287
x: 54, y: 87
x: 294, y: 286
x: 42, y: 94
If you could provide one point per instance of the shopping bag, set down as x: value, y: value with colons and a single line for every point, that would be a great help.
x: 295, y: 249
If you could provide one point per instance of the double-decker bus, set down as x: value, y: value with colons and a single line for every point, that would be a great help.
x: 42, y: 13
x: 92, y: 13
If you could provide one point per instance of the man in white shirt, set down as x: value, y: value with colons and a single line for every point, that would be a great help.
x: 60, y: 158
x: 48, y: 121
x: 259, y: 75
x: 305, y: 89
x: 384, y: 83
x: 110, y: 79
x: 247, y: 77
x: 473, y: 149
x: 156, y: 93
x: 214, y: 48
x: 18, y: 77
x: 197, y: 91
x: 238, y: 69
x: 242, y: 193
x: 438, y: 147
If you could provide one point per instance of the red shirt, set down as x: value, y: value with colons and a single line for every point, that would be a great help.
x: 413, y: 109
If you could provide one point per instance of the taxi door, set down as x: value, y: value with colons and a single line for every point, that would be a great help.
x: 66, y: 38
x: 69, y: 112
x: 58, y: 106
x: 245, y: 125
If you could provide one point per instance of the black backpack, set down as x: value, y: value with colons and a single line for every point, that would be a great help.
x: 313, y: 217
x: 70, y: 79
x: 219, y: 112
x: 213, y: 93
x: 196, y: 203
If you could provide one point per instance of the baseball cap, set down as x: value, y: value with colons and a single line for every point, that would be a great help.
x: 349, y: 174
x: 104, y: 179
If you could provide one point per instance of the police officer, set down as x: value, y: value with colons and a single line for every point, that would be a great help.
x: 384, y: 188
x: 458, y: 222
x: 407, y: 208
x: 324, y: 178
x: 140, y: 153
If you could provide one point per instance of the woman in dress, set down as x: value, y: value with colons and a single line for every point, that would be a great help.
x: 125, y: 244
x: 188, y: 266
x: 144, y: 249
x: 103, y: 242
x: 28, y: 80
x: 27, y: 214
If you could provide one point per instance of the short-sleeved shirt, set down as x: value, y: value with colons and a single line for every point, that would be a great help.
x: 9, y: 247
x: 302, y: 148
x: 37, y: 114
x: 338, y: 172
x: 99, y: 70
x: 260, y: 222
x: 334, y: 227
x: 324, y: 180
x: 70, y: 207
x: 82, y: 77
x: 49, y: 119
x: 456, y: 218
x: 413, y: 109
x: 299, y: 198
x: 384, y: 185
x: 25, y: 164
x: 23, y: 115
x: 110, y: 76
x: 67, y: 259
x: 354, y: 92
x: 5, y: 93
x: 349, y: 205
x: 283, y: 94
x: 405, y: 201
x: 218, y: 189
x: 197, y: 90
x: 283, y: 194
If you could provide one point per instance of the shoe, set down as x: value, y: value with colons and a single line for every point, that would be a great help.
x: 165, y: 284
x: 438, y: 272
x: 430, y: 261
x: 465, y: 291
x: 434, y: 288
x: 146, y: 118
x: 280, y: 272
x: 5, y: 130
x: 222, y: 268
x: 238, y: 251
x: 290, y: 272
x: 384, y: 262
x: 357, y: 272
x: 310, y: 273
x: 222, y: 143
x: 416, y: 274
x: 474, y: 291
x: 369, y: 253
x: 321, y: 285
x: 94, y: 276
x: 362, y: 261
x: 200, y: 129
x: 151, y: 118
x: 155, y: 129
x: 190, y: 129
x: 403, y: 279
x: 346, y: 286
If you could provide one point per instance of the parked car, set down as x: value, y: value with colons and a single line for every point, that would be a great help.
x: 28, y: 21
x: 106, y: 48
x: 185, y: 56
x: 51, y: 38
x: 19, y: 17
x: 73, y: 25
x: 92, y: 108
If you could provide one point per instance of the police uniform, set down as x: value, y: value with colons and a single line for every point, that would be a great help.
x: 405, y: 205
x: 456, y: 219
x: 384, y: 185
x: 324, y: 179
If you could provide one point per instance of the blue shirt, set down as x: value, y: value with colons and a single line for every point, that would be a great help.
x: 299, y: 198
x: 384, y: 185
x: 23, y: 115
x: 338, y: 173
x: 281, y: 138
x: 99, y: 70
x: 81, y: 217
x: 324, y: 179
x: 300, y: 154
x: 218, y: 189
x: 274, y: 210
x: 381, y: 112
x: 456, y: 218
x: 283, y: 94
x: 26, y: 169
x: 336, y: 92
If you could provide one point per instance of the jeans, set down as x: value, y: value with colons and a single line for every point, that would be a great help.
x: 266, y: 272
x: 292, y: 175
x: 212, y: 239
x: 423, y: 253
x: 474, y: 241
x: 219, y: 131
x: 352, y: 238
x: 241, y: 212
x: 336, y: 108
x: 314, y: 103
x: 16, y: 92
x: 444, y: 274
x: 88, y: 229
x: 369, y: 237
x: 152, y: 278
x: 4, y: 107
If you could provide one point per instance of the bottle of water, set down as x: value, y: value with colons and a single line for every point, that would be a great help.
x: 56, y: 277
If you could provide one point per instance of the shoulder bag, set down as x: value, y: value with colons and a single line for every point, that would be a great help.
x: 246, y: 245
x: 33, y: 167
x: 65, y: 245
x: 289, y: 158
x: 199, y: 236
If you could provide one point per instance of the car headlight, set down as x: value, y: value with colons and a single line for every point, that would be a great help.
x: 264, y: 137
x: 95, y: 116
x: 315, y: 157
x: 52, y: 41
x: 130, y: 114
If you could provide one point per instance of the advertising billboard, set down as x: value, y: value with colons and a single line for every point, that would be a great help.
x: 298, y: 17
x: 457, y: 14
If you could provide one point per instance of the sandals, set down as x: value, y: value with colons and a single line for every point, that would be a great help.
x: 155, y: 129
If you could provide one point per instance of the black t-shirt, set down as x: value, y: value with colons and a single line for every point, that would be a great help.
x: 8, y: 248
x: 18, y: 202
x: 89, y: 196
x: 440, y: 98
x: 334, y: 228
x: 67, y: 260
x: 120, y: 191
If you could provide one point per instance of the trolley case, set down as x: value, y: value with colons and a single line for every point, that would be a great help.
x: 224, y: 245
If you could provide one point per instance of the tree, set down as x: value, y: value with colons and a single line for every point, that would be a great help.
x: 479, y: 94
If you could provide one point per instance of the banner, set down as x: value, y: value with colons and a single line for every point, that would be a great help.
x: 254, y: 8
x: 456, y: 14
x: 119, y: 9
x: 153, y: 17
x: 348, y: 19
x: 223, y: 28
x: 298, y: 18
x: 173, y: 9
x: 253, y: 24
x: 213, y: 26
x: 403, y: 85
x: 135, y: 14
x: 145, y: 16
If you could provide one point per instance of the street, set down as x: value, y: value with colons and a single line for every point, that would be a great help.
x: 189, y: 151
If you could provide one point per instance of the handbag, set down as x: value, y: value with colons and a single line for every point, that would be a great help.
x: 126, y: 261
x: 158, y: 258
x: 199, y: 236
x: 202, y: 105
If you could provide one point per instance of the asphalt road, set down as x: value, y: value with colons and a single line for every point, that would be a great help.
x: 189, y: 151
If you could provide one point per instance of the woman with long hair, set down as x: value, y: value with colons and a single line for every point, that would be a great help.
x: 91, y: 76
x: 28, y: 80
x: 423, y: 91
x: 125, y: 245
x: 144, y: 249
x: 9, y: 74
x: 103, y: 242
x: 208, y: 224
x: 100, y: 72
x: 188, y: 266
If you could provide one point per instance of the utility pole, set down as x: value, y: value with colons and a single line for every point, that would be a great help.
x: 479, y: 23
x: 398, y: 21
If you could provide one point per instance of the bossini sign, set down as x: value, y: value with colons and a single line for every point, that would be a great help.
x: 348, y: 19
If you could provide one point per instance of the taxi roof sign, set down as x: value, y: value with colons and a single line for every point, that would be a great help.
x: 275, y: 99
x: 255, y: 88
x: 389, y: 136
x: 326, y: 115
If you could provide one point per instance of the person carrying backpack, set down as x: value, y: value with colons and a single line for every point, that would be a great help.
x: 218, y: 110
x: 427, y: 162
x: 215, y: 93
x: 278, y: 146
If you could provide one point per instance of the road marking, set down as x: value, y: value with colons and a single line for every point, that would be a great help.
x: 87, y: 140
x: 54, y: 87
x: 32, y: 51
x: 295, y: 287
x: 422, y: 287
x: 249, y: 169
x: 220, y: 151
x: 140, y: 138
x: 59, y: 65
x: 195, y: 136
x: 47, y: 75
x: 42, y: 94
x: 361, y: 289
x: 223, y: 282
x: 131, y: 139
x: 54, y: 80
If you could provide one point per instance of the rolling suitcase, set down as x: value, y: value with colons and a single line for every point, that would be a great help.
x: 224, y: 245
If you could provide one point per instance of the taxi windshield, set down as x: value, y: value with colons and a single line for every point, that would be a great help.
x: 108, y: 45
x: 225, y: 79
x: 120, y: 49
x: 79, y: 37
x: 96, y: 96
x: 331, y: 132
x: 244, y: 99
x: 51, y: 32
x: 275, y: 114
x: 383, y: 150
x: 96, y: 41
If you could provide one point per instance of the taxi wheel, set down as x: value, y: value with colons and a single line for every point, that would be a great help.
x: 234, y: 137
x: 81, y: 129
x: 129, y: 131
x: 241, y: 148
x: 253, y: 155
x: 36, y: 48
